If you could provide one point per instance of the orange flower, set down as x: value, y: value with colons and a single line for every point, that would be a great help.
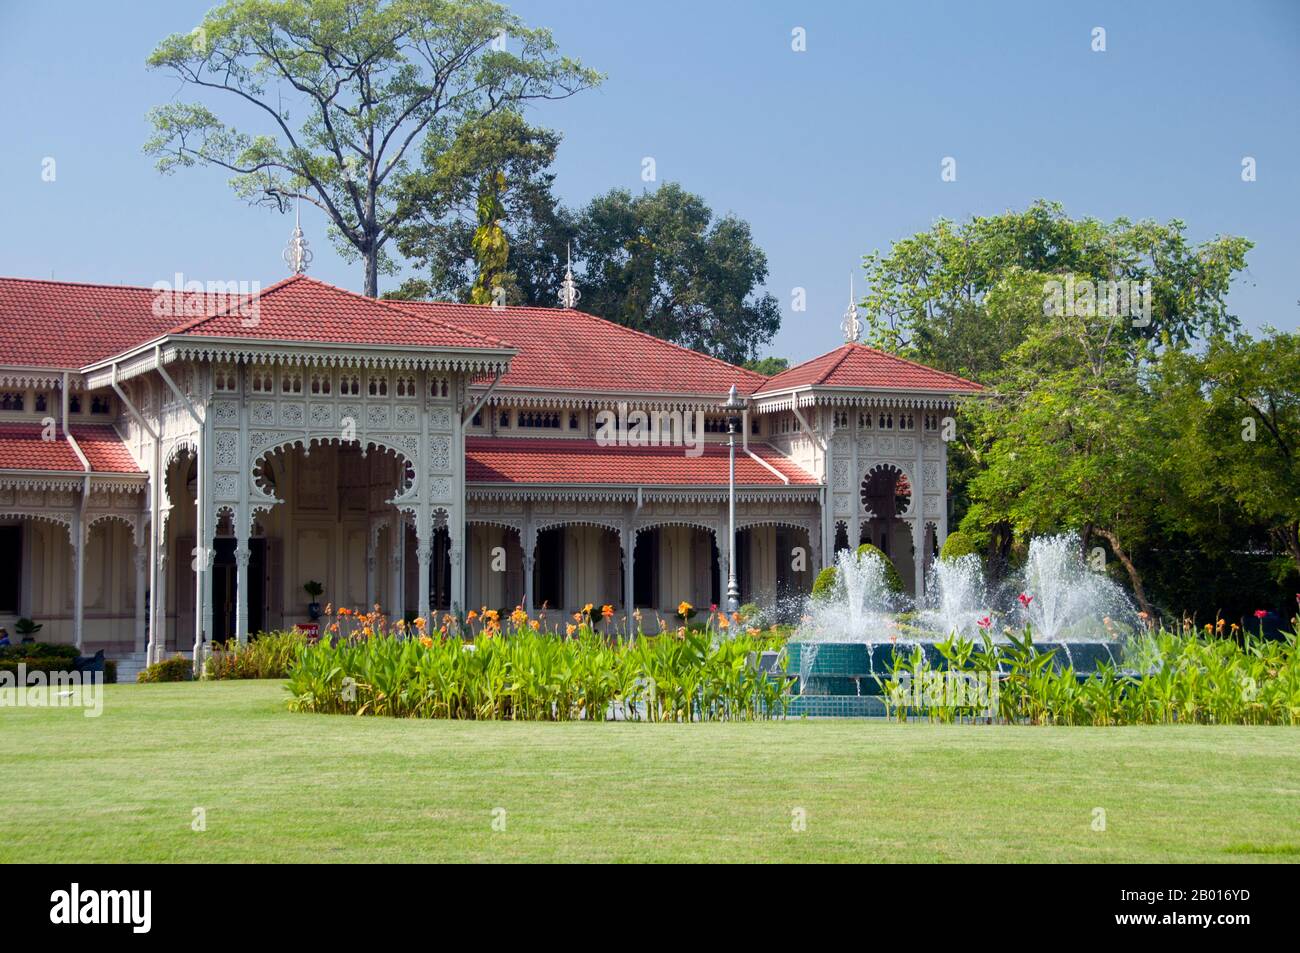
x: 519, y: 617
x: 607, y: 611
x: 536, y: 625
x: 472, y: 616
x: 569, y: 629
x: 722, y: 621
x: 426, y: 641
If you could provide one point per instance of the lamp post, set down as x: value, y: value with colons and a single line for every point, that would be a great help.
x: 734, y: 405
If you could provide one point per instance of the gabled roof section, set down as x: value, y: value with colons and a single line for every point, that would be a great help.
x: 859, y: 366
x: 505, y: 460
x: 302, y: 309
x: 566, y: 350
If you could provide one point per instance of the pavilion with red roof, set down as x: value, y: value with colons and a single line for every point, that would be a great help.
x: 177, y: 463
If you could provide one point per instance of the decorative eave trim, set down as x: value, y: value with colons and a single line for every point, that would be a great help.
x: 71, y: 480
x: 485, y: 360
x: 630, y: 494
x: 589, y: 400
x: 858, y: 397
x: 39, y: 378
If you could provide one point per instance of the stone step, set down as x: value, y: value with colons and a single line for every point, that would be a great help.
x: 129, y: 666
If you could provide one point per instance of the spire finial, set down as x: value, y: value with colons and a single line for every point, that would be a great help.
x: 296, y: 254
x: 569, y: 293
x: 852, y: 324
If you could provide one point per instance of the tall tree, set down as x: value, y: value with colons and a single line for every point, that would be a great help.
x: 442, y: 206
x: 661, y: 263
x: 379, y: 80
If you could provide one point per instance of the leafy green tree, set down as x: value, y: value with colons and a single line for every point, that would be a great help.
x: 960, y: 297
x: 661, y: 263
x: 770, y: 366
x: 379, y: 83
x: 1238, y: 407
x: 442, y: 214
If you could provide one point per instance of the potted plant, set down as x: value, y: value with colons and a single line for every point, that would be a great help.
x: 27, y: 630
x: 313, y: 589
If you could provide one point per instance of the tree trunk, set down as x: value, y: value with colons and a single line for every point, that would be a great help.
x: 371, y: 258
x: 1133, y: 574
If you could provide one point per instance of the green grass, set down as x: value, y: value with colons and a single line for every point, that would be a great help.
x: 283, y: 787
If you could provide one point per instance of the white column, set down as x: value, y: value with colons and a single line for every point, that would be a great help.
x: 629, y: 556
x: 529, y: 562
x: 79, y: 582
x: 397, y: 539
x: 158, y: 597
x: 141, y: 584
x: 918, y: 546
x: 242, y: 555
x: 423, y: 555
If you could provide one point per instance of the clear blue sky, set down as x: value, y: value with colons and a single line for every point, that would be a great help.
x: 828, y: 153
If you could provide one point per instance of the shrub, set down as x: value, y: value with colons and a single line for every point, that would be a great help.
x: 267, y: 655
x: 958, y: 544
x: 43, y: 650
x: 824, y: 584
x: 515, y: 673
x: 178, y: 668
x: 892, y: 579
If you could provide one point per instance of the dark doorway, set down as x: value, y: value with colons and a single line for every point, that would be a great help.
x: 225, y: 592
x: 548, y: 569
x: 440, y: 571
x: 645, y: 567
x: 11, y: 567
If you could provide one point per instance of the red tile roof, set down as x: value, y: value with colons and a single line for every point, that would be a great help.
x: 23, y: 448
x: 856, y: 365
x: 62, y: 325
x: 562, y: 349
x: 514, y: 460
x: 306, y: 310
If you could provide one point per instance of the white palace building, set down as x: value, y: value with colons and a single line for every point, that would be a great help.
x: 174, y: 469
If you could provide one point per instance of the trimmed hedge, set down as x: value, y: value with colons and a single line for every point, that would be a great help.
x: 49, y: 658
x: 824, y: 584
x: 178, y: 668
x: 958, y: 544
x: 892, y: 579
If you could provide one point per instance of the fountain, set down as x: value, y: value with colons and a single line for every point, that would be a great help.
x: 852, y: 636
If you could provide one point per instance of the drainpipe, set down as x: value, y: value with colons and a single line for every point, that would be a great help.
x: 79, y: 540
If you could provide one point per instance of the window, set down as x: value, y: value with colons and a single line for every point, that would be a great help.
x: 74, y: 404
x: 931, y: 421
x: 753, y: 426
x: 290, y: 382
x: 377, y: 386
x: 546, y: 421
x: 224, y: 379
x: 505, y: 418
x: 320, y: 383
x: 42, y: 402
x: 12, y: 400
x: 100, y: 405
x: 478, y: 419
x: 350, y: 386
x: 405, y: 386
x: 262, y: 380
x: 573, y: 421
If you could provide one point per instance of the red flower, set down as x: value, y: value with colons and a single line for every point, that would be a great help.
x: 985, y: 622
x: 1025, y: 599
x: 1260, y: 613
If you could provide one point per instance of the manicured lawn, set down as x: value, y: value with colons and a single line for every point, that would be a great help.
x: 283, y: 787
